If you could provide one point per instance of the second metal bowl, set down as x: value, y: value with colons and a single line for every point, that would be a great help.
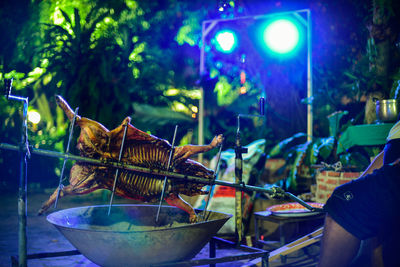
x: 387, y: 110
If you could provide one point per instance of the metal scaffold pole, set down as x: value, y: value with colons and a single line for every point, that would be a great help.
x: 24, y: 152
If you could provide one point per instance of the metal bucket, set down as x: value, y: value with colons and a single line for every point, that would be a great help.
x: 387, y: 110
x: 129, y: 236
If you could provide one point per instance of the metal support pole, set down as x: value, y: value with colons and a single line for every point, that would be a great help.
x: 200, y: 139
x: 309, y: 80
x: 22, y: 204
x: 201, y: 124
x: 205, y: 30
x: 24, y: 152
x: 238, y: 194
x: 239, y: 150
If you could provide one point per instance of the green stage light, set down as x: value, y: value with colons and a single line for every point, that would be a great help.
x: 281, y: 36
x: 226, y: 41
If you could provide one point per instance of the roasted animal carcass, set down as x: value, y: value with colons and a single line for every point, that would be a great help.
x: 140, y: 149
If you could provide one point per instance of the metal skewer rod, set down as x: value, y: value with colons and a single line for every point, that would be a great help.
x: 171, y: 153
x: 117, y: 170
x: 71, y: 130
x: 274, y: 191
x: 212, y: 186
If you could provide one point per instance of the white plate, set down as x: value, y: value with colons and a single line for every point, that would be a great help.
x: 294, y: 209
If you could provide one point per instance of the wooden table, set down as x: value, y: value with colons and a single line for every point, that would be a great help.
x: 281, y: 220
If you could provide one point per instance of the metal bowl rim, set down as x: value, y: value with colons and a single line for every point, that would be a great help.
x: 131, y: 231
x: 385, y: 101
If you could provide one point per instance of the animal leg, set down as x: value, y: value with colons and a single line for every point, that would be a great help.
x: 132, y: 132
x: 66, y: 108
x: 184, y: 152
x: 78, y: 186
x: 177, y: 201
x: 63, y: 192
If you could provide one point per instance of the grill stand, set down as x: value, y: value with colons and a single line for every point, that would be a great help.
x: 253, y: 253
x: 249, y: 253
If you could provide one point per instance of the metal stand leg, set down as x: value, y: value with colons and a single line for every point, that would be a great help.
x: 282, y: 240
x: 212, y: 251
x: 22, y: 211
x: 265, y: 261
x: 239, y: 150
x: 15, y: 262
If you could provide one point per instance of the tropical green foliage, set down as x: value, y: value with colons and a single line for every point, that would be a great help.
x: 298, y: 152
x: 121, y: 58
x: 105, y: 57
x: 109, y: 58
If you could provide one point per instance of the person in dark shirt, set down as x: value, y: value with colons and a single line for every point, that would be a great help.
x: 365, y: 208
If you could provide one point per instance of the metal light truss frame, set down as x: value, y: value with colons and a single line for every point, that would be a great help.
x: 209, y: 25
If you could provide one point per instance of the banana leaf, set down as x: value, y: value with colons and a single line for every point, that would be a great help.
x: 158, y: 116
x: 283, y: 146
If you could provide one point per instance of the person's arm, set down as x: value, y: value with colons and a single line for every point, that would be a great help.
x: 376, y: 163
x: 338, y: 247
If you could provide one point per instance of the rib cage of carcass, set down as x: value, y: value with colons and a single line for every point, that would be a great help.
x: 140, y: 149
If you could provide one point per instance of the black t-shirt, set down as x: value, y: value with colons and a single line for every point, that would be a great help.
x: 370, y: 206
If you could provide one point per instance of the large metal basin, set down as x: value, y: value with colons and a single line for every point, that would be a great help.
x: 129, y: 236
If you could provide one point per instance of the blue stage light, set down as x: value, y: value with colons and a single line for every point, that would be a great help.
x: 281, y: 36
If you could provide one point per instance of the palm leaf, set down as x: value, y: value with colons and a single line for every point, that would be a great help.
x: 77, y: 27
x: 159, y: 116
x: 57, y: 29
x: 325, y: 147
x: 298, y: 156
x: 65, y: 15
x: 280, y: 148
